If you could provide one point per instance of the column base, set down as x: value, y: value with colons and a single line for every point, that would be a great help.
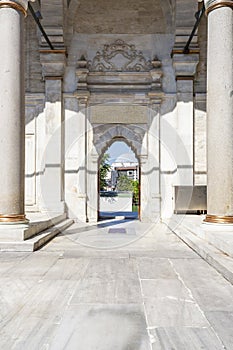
x: 13, y: 219
x: 216, y: 219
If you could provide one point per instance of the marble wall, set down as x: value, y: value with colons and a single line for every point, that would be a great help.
x: 159, y: 110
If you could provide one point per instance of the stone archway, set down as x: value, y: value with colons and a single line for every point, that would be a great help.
x: 136, y: 136
x: 120, y: 205
x: 119, y: 93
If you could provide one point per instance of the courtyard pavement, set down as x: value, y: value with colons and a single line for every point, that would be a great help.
x: 118, y: 285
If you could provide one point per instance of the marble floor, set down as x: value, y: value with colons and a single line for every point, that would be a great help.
x: 119, y: 285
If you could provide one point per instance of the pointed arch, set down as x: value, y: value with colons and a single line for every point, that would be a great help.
x: 133, y: 135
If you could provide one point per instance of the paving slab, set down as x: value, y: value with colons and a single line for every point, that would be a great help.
x: 213, y: 242
x: 222, y: 322
x: 101, y: 327
x: 211, y: 291
x: 157, y: 295
x: 184, y: 338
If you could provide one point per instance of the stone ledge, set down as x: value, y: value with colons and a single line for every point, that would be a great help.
x: 213, y: 249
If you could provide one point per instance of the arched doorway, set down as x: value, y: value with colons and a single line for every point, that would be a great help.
x: 119, y: 182
x: 139, y: 139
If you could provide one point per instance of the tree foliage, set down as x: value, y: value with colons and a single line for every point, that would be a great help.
x: 135, y: 191
x: 103, y: 171
x: 124, y: 183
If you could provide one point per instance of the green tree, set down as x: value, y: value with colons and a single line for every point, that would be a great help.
x: 103, y: 171
x: 135, y: 191
x: 124, y: 183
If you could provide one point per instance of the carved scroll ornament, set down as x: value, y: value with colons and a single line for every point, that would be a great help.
x: 119, y: 57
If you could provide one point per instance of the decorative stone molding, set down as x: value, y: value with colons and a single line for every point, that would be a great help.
x: 131, y: 60
x: 185, y: 65
x: 81, y: 74
x: 119, y: 67
x: 53, y: 63
x: 211, y: 5
x: 56, y: 36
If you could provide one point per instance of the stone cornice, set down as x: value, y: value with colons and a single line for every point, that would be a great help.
x: 211, y: 5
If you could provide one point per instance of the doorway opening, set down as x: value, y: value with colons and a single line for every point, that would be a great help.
x: 119, y: 182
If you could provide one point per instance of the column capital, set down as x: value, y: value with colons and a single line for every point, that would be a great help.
x: 185, y: 65
x: 19, y: 5
x: 53, y: 63
x: 211, y: 5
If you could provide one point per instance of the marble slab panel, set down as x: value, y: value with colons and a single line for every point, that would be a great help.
x: 33, y: 265
x: 173, y: 312
x: 155, y: 268
x: 102, y: 327
x: 209, y: 288
x: 222, y: 323
x: 112, y: 268
x: 162, y: 288
x: 185, y: 339
x: 31, y: 324
x: 96, y: 290
x: 67, y: 269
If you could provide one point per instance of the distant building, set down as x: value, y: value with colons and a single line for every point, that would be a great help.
x: 125, y: 164
x: 130, y: 171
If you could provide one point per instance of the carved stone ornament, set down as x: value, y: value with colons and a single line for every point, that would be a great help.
x: 119, y: 57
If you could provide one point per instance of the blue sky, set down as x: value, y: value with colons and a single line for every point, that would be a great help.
x: 118, y: 148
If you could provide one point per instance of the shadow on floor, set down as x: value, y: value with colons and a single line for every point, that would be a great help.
x: 88, y: 228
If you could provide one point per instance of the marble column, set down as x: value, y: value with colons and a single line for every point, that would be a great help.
x: 12, y: 111
x: 220, y: 112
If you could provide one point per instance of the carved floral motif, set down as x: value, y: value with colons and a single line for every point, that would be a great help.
x: 119, y: 57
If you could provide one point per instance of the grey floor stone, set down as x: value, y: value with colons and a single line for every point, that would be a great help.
x: 98, y: 327
x: 155, y: 268
x: 182, y: 338
x: 172, y: 312
x: 103, y: 291
x: 222, y: 322
x: 209, y: 288
x: 152, y: 294
x: 171, y: 288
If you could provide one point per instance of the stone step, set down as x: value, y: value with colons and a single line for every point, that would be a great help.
x: 36, y: 242
x: 13, y: 233
x: 220, y: 237
x: 221, y: 261
x: 37, y: 227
